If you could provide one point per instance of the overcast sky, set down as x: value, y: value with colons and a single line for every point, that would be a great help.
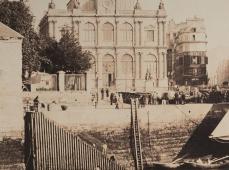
x: 215, y: 13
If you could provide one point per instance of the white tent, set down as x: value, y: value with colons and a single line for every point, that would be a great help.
x: 221, y: 132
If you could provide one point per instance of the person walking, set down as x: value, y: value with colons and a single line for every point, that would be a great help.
x: 115, y: 100
x: 104, y: 148
x: 121, y: 100
x: 176, y: 98
x: 107, y: 93
x: 102, y: 93
x: 183, y: 98
x: 111, y: 98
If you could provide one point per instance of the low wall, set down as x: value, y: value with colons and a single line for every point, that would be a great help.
x: 59, y: 97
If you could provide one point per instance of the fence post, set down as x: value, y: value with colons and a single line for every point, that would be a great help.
x: 61, y: 81
x: 29, y: 150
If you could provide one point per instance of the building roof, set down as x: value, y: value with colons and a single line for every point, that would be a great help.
x: 6, y: 32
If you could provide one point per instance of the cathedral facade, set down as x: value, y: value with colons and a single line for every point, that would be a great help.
x: 127, y: 43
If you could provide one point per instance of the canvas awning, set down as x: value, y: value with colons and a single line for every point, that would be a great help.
x: 221, y: 132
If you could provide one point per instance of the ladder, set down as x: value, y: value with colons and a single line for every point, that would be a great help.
x: 137, y: 150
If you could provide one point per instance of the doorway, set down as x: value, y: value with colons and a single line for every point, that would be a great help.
x: 108, y: 71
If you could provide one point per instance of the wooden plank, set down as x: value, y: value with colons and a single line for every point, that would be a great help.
x: 61, y: 149
x: 44, y: 143
x: 41, y: 134
x: 71, y: 151
x: 37, y: 138
x: 78, y: 154
x: 53, y: 146
x: 33, y: 142
x: 75, y: 152
x: 67, y: 149
x: 56, y: 133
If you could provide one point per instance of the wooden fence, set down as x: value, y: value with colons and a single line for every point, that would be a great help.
x: 50, y: 147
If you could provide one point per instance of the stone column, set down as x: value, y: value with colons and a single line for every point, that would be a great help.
x: 160, y: 64
x: 117, y: 64
x: 54, y: 29
x: 51, y: 25
x: 78, y: 30
x: 116, y: 32
x: 137, y: 33
x: 75, y: 28
x: 164, y: 65
x: 137, y: 65
x: 115, y: 7
x: 99, y: 70
x: 98, y: 38
x: 140, y: 33
x: 161, y: 33
x: 61, y: 81
x: 140, y: 65
x: 163, y: 81
x: 164, y: 34
x: 117, y: 70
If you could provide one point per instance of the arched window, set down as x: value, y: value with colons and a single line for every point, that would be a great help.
x: 150, y: 65
x: 127, y: 66
x: 89, y: 33
x: 108, y: 32
x: 149, y: 33
x: 126, y: 32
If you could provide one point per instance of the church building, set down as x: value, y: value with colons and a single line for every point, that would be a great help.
x: 127, y: 42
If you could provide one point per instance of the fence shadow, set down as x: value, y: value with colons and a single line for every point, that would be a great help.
x: 50, y: 146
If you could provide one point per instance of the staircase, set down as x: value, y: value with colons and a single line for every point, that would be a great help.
x: 136, y: 143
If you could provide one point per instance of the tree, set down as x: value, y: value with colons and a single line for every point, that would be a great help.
x: 17, y: 16
x: 65, y: 55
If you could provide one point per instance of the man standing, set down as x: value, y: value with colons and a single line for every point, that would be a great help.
x: 107, y: 93
x: 111, y: 98
x: 102, y: 93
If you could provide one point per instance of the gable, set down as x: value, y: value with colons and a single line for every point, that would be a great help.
x: 7, y: 32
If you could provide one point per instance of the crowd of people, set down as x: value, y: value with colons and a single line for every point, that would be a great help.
x: 114, y: 98
x: 177, y: 96
x: 212, y: 95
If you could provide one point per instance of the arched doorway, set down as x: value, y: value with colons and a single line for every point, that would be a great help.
x: 108, y: 71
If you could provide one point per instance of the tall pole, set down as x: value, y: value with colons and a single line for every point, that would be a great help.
x: 149, y: 131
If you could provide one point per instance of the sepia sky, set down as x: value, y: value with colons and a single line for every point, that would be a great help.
x: 215, y: 13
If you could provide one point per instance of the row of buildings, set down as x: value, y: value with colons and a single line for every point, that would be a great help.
x: 132, y: 48
x: 187, y: 52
